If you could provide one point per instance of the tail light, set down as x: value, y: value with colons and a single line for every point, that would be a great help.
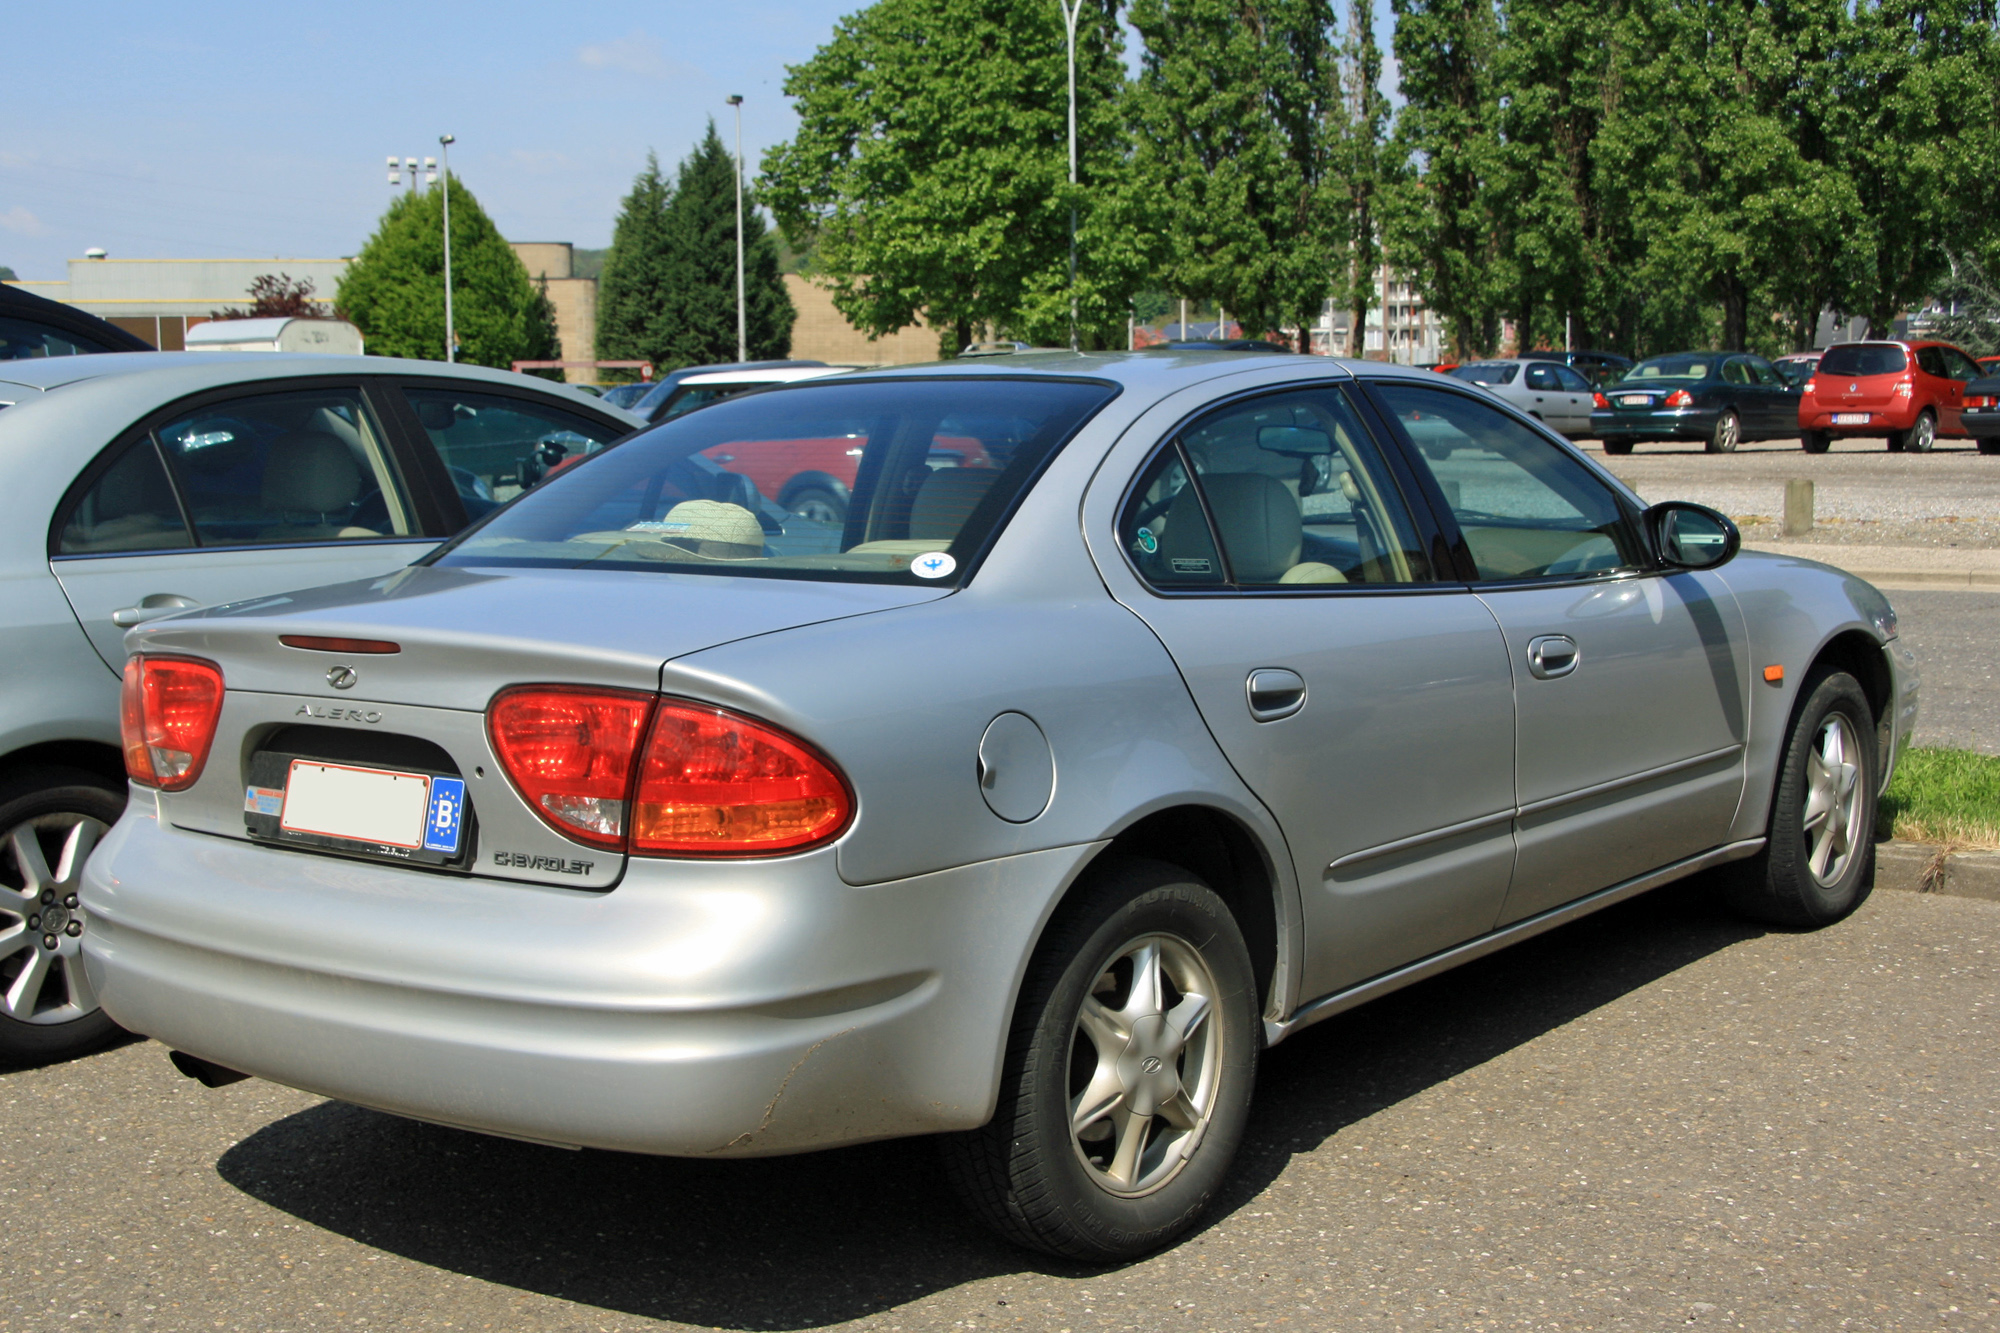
x: 167, y: 713
x: 570, y: 753
x: 634, y: 772
x: 1680, y: 398
x: 716, y: 783
x: 1903, y: 389
x: 1599, y: 400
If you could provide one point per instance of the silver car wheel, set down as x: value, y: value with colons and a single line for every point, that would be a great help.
x: 41, y: 922
x: 1924, y: 434
x: 1833, y: 804
x: 1144, y: 1065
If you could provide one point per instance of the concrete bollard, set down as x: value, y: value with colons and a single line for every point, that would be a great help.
x: 1798, y: 506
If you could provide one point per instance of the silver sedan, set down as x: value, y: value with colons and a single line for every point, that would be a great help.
x: 1548, y: 391
x: 1025, y: 806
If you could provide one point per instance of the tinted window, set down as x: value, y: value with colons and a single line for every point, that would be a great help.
x: 931, y: 467
x: 1544, y: 378
x: 1764, y: 372
x: 1293, y: 487
x: 1527, y: 509
x: 1958, y: 365
x: 1737, y: 371
x: 22, y: 339
x: 1570, y: 380
x: 1680, y: 366
x: 1856, y: 359
x: 1930, y: 360
x: 701, y: 395
x: 625, y: 395
x: 130, y: 508
x: 496, y: 446
x: 1486, y: 373
x: 288, y: 467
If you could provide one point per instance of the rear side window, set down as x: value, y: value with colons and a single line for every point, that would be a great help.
x: 1570, y: 380
x: 496, y: 446
x: 130, y: 508
x: 1863, y: 359
x: 1544, y: 378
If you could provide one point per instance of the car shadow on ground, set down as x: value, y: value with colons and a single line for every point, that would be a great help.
x: 798, y: 1242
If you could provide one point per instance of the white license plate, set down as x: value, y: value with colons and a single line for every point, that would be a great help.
x: 1635, y: 400
x: 1850, y: 418
x: 362, y: 804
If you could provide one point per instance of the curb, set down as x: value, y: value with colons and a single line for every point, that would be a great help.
x: 1917, y: 580
x: 1917, y: 867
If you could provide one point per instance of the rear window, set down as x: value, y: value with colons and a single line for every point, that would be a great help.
x: 1863, y: 359
x: 1499, y: 372
x: 1678, y: 367
x: 875, y: 480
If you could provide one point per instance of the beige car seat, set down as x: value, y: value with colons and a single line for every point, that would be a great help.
x: 946, y: 499
x: 1258, y: 519
x: 310, y: 473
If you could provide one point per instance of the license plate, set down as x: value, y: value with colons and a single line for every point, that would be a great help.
x: 1635, y: 400
x: 373, y: 805
x: 1850, y: 418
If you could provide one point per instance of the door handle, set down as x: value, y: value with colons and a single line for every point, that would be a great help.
x: 1274, y: 693
x: 1551, y: 656
x: 151, y: 607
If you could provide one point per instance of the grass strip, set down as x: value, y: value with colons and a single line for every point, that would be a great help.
x: 1944, y: 796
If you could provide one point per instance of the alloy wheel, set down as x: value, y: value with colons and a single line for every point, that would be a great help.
x: 1728, y: 433
x: 1145, y: 1062
x: 1833, y: 804
x: 42, y: 923
x: 1924, y: 434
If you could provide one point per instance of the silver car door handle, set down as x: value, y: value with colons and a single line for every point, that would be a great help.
x: 151, y: 607
x: 1551, y: 656
x: 1274, y: 693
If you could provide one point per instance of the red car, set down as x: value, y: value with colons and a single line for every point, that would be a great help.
x: 1909, y: 392
x: 813, y: 477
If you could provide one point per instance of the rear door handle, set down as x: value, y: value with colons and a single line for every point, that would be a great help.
x: 1274, y: 693
x: 1551, y: 656
x: 151, y: 607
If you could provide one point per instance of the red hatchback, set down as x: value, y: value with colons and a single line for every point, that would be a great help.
x: 1909, y: 392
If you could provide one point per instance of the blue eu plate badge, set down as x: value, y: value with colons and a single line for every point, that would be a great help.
x: 446, y: 815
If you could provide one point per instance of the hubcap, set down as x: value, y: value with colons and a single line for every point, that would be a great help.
x: 1833, y: 806
x: 1925, y: 435
x: 41, y: 923
x: 1144, y: 1064
x: 1725, y: 434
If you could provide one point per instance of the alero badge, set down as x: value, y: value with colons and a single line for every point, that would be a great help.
x: 342, y: 677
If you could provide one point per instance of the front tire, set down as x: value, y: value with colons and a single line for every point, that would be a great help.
x: 50, y: 819
x: 1727, y: 434
x: 1128, y: 1072
x: 1818, y: 863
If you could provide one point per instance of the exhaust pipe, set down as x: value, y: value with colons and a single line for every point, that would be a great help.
x: 205, y: 1072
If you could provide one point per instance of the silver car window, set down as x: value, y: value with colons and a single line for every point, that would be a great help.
x: 1527, y: 509
x: 131, y: 507
x: 495, y: 446
x: 1543, y: 378
x: 1572, y: 381
x: 1294, y: 488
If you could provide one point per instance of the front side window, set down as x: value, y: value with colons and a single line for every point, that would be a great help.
x: 495, y: 446
x: 25, y: 340
x: 1930, y: 360
x: 1544, y: 379
x: 926, y: 470
x: 1958, y: 365
x: 1570, y: 380
x: 1527, y: 509
x: 306, y: 466
x: 1287, y: 491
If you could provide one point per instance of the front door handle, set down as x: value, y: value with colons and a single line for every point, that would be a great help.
x: 1551, y: 656
x: 1274, y: 693
x: 151, y: 607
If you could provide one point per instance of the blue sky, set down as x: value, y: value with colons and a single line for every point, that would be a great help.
x: 199, y: 129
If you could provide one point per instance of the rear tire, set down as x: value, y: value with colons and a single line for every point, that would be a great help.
x: 1728, y: 433
x: 1815, y: 441
x: 1919, y: 438
x: 1818, y: 863
x: 1103, y: 1030
x: 1618, y: 445
x: 50, y: 818
x: 817, y: 504
x: 1989, y: 447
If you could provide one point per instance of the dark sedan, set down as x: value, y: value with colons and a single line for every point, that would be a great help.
x: 1982, y: 413
x: 1719, y: 398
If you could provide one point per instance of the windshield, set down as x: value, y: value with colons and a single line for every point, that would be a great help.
x: 1863, y: 359
x: 1484, y: 372
x: 873, y: 480
x: 1678, y: 367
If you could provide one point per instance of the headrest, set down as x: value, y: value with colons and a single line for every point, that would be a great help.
x: 946, y: 499
x: 1259, y: 523
x: 309, y: 472
x: 713, y: 528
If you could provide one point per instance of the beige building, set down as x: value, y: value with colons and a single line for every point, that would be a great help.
x: 553, y: 265
x: 823, y: 334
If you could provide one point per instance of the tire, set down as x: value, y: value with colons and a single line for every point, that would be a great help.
x: 1813, y: 874
x: 1896, y: 442
x: 1919, y: 438
x: 1815, y: 441
x: 817, y: 504
x: 1990, y: 446
x: 1618, y: 445
x: 1727, y: 434
x: 54, y: 816
x: 1087, y: 1195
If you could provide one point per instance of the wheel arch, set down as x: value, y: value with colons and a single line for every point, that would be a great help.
x: 800, y: 481
x: 1860, y: 656
x: 90, y: 756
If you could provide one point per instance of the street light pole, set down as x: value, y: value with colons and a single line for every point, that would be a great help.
x: 742, y: 323
x: 1071, y: 9
x: 451, y: 329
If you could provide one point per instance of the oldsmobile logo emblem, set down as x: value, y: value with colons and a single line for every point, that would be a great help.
x: 342, y: 677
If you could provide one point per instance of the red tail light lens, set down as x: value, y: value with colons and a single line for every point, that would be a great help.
x: 715, y: 783
x: 1599, y: 400
x: 1680, y: 398
x: 1903, y: 389
x: 570, y: 753
x: 167, y: 712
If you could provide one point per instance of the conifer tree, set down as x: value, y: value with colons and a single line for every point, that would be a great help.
x: 632, y: 292
x: 697, y: 316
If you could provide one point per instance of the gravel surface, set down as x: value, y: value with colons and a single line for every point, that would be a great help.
x: 1862, y: 493
x: 1656, y: 1118
x: 1956, y: 637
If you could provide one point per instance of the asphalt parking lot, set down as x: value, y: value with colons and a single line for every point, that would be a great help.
x: 1656, y: 1118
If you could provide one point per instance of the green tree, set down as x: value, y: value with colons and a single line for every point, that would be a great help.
x: 698, y: 318
x: 633, y: 289
x: 1366, y: 161
x: 394, y: 289
x: 1239, y: 135
x: 929, y: 175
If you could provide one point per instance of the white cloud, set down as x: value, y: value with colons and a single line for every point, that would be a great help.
x: 22, y: 223
x: 637, y: 52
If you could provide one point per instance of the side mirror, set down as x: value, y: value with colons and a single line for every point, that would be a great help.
x: 1691, y: 536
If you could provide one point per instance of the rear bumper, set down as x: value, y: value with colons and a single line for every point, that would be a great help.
x: 1899, y: 416
x: 1982, y: 425
x: 1683, y: 423
x: 700, y: 1008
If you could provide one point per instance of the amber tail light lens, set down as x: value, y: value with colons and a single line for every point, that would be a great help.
x: 716, y: 783
x: 570, y: 753
x: 167, y: 713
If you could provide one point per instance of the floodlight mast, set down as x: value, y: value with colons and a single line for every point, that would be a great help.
x: 742, y: 322
x: 445, y: 141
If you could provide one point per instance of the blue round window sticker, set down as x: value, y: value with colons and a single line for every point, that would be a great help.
x: 933, y: 565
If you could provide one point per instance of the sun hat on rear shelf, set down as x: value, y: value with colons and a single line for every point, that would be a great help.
x: 714, y: 529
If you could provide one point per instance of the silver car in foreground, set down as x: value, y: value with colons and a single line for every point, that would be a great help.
x: 1024, y: 807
